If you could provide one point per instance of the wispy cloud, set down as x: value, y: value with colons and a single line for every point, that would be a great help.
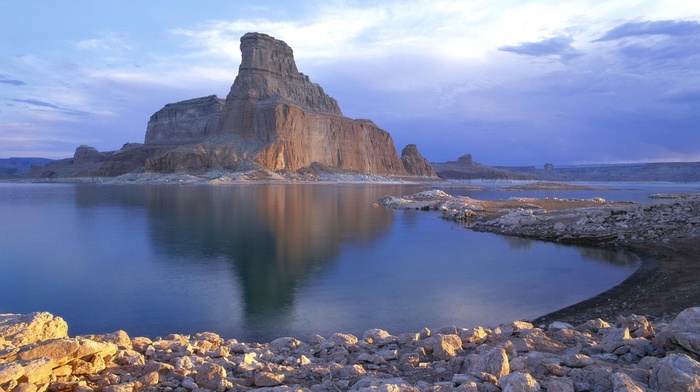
x: 6, y: 80
x: 44, y: 104
x: 676, y: 28
x: 108, y: 41
x: 557, y: 46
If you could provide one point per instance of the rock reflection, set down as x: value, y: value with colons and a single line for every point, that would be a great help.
x: 275, y: 236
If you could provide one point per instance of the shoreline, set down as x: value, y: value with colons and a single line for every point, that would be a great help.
x: 639, y: 335
x: 664, y: 235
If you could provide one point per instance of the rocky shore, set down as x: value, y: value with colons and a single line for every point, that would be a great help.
x: 629, y: 354
x: 664, y: 233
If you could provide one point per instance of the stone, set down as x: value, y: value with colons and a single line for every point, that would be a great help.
x: 343, y: 339
x: 60, y: 351
x: 284, y: 342
x: 676, y: 373
x: 518, y: 382
x: 495, y: 362
x: 211, y: 376
x: 378, y: 336
x: 268, y: 379
x: 414, y: 164
x: 686, y: 329
x: 624, y: 383
x: 443, y: 347
x: 614, y: 338
x: 559, y: 384
x: 19, y: 329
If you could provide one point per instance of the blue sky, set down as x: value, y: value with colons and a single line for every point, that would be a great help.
x: 512, y: 82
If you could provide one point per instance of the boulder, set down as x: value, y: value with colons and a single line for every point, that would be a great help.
x: 686, y: 329
x: 676, y: 373
x: 22, y: 329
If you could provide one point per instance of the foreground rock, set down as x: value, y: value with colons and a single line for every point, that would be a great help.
x: 627, y: 354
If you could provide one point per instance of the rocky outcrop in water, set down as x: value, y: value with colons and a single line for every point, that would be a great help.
x: 414, y: 164
x: 629, y: 354
x: 185, y: 121
x: 464, y: 168
x: 273, y: 119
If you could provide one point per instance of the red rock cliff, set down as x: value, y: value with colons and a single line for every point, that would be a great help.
x: 292, y: 122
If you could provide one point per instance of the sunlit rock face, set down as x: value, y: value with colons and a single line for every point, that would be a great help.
x: 185, y: 121
x: 292, y: 122
x: 414, y: 164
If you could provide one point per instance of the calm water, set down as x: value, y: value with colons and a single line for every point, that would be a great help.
x: 257, y: 262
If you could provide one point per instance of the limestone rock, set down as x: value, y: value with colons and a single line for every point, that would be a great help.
x: 518, y: 382
x: 676, y: 373
x: 22, y: 329
x: 211, y: 376
x: 686, y: 328
x: 414, y: 164
x: 186, y: 121
x: 494, y: 362
x: 444, y: 346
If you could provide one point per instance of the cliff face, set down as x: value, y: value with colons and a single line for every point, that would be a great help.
x: 273, y: 117
x: 414, y: 164
x: 185, y: 121
x: 292, y: 122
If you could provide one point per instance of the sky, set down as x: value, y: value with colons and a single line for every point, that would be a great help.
x: 512, y: 82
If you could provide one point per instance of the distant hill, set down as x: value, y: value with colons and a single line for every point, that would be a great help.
x: 660, y: 171
x: 19, y: 167
x: 464, y: 168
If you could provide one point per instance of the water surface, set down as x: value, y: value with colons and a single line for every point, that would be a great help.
x: 255, y: 262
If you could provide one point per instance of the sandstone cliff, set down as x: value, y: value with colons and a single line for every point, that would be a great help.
x: 414, y: 164
x: 274, y: 118
x: 185, y: 121
x: 292, y: 122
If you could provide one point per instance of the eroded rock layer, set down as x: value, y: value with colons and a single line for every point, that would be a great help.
x: 185, y: 121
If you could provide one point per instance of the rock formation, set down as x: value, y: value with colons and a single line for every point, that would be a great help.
x: 464, y: 168
x: 414, y: 164
x: 185, y: 121
x: 291, y: 122
x: 274, y: 118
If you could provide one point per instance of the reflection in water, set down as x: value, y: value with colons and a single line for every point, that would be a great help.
x: 256, y: 262
x: 273, y: 235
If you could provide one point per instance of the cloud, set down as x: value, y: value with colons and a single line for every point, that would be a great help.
x: 559, y: 45
x: 675, y: 28
x: 109, y: 41
x: 43, y: 104
x: 4, y: 79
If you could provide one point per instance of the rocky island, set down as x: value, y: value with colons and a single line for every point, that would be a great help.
x: 273, y: 122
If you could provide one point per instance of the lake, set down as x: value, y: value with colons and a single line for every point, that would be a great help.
x: 260, y: 261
